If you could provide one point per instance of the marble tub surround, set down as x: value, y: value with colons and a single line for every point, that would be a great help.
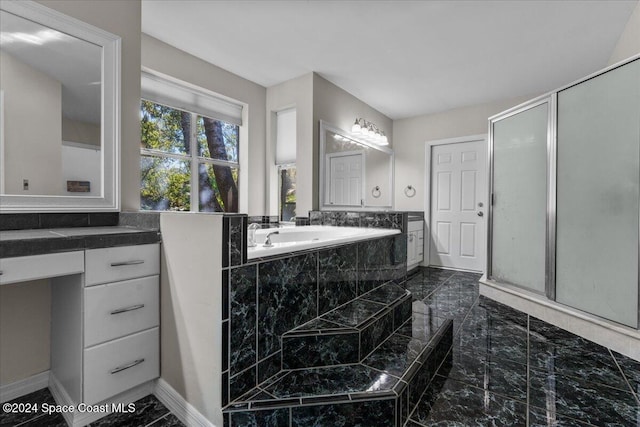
x: 348, y: 395
x: 302, y: 221
x: 379, y: 388
x: 234, y: 239
x: 349, y: 333
x: 265, y: 221
x: 263, y: 299
x: 383, y: 219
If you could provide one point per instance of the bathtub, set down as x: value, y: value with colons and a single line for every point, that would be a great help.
x: 291, y: 239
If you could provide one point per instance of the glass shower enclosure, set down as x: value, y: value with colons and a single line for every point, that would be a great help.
x: 564, y: 221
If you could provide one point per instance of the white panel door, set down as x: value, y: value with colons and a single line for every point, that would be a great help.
x: 458, y: 205
x: 345, y: 180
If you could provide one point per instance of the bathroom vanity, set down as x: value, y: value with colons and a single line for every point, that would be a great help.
x: 104, y: 308
x: 415, y: 241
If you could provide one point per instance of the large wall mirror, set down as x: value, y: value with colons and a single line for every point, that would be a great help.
x: 59, y: 112
x: 354, y: 174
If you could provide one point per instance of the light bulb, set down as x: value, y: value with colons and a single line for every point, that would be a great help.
x: 356, y: 127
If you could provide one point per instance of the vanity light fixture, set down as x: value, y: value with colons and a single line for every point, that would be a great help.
x: 369, y: 132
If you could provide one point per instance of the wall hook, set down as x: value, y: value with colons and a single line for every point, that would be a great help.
x: 410, y: 191
x: 376, y: 192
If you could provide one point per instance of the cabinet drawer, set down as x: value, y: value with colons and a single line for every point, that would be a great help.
x: 20, y: 269
x: 119, y: 365
x: 122, y: 308
x: 121, y: 263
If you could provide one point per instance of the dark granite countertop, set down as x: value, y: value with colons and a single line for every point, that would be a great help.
x: 16, y: 243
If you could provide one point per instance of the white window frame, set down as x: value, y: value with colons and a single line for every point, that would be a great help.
x: 195, y: 159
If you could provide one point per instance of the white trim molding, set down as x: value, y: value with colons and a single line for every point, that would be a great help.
x: 612, y: 335
x: 178, y: 406
x: 79, y: 419
x: 25, y: 386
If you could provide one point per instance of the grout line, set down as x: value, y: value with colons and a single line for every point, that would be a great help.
x: 37, y: 417
x: 528, y: 370
x: 317, y: 286
x: 415, y: 422
x: 257, y: 284
x: 158, y: 419
x: 633, y: 392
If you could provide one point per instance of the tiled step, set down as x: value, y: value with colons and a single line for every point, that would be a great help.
x: 380, y: 391
x: 348, y: 333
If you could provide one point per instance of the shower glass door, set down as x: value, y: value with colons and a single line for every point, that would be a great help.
x: 598, y: 164
x: 519, y: 145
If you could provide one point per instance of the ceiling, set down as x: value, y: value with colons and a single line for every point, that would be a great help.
x: 404, y: 58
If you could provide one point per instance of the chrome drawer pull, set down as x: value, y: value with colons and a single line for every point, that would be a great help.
x: 130, y: 365
x: 134, y: 262
x: 124, y: 310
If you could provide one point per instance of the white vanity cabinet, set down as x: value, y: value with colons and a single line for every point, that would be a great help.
x: 121, y: 320
x: 104, y: 320
x: 415, y: 244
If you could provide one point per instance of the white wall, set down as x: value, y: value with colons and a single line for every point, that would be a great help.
x: 168, y: 60
x: 25, y: 318
x: 410, y: 135
x: 82, y: 163
x: 315, y: 99
x: 377, y: 171
x: 339, y: 108
x: 83, y: 132
x: 33, y: 130
x: 629, y: 42
x: 296, y: 93
x: 191, y: 309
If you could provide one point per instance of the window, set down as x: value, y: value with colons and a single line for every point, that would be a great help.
x: 287, y: 192
x: 189, y: 160
x: 285, y: 159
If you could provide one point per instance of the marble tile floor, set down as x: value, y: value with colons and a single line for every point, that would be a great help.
x: 149, y: 413
x: 506, y: 368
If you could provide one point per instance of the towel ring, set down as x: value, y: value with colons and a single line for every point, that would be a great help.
x: 410, y: 191
x: 376, y: 192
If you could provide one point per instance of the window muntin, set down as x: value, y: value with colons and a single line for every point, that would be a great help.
x: 173, y: 177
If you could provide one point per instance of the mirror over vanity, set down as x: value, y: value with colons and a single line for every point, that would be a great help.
x: 354, y: 174
x: 59, y: 112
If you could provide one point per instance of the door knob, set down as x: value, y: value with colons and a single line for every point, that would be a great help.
x: 480, y: 213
